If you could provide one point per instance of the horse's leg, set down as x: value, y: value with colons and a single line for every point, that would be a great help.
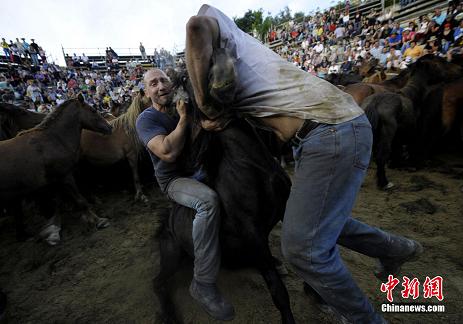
x: 88, y: 215
x: 47, y: 207
x: 170, y: 257
x: 387, y: 133
x: 266, y: 266
x: 133, y: 162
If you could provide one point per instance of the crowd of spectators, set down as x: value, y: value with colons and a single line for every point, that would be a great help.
x: 337, y: 41
x: 44, y: 87
x: 329, y: 42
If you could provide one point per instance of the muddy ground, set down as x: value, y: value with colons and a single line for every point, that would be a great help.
x: 105, y: 276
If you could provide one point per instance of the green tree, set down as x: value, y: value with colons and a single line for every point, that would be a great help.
x: 299, y: 16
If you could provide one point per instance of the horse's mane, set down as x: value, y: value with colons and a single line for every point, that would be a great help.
x: 50, y: 118
x: 127, y: 120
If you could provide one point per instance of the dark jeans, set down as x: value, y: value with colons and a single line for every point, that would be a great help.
x: 331, y: 163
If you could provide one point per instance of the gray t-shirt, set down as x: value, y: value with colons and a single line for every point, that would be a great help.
x: 269, y: 85
x: 150, y: 124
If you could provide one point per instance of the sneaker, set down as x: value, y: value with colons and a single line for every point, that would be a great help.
x: 210, y: 299
x: 391, y: 266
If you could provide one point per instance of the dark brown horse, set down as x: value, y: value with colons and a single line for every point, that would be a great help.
x: 394, y: 116
x: 45, y: 156
x: 122, y: 144
x: 14, y: 119
x: 253, y: 190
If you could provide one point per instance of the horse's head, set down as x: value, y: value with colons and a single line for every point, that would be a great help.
x: 90, y: 119
x: 222, y: 77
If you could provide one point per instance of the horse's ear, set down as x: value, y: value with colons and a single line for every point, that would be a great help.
x: 80, y: 97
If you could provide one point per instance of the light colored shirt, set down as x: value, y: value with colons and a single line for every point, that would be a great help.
x: 269, y: 85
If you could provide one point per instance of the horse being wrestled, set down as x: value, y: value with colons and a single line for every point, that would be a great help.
x: 253, y: 190
x: 45, y: 156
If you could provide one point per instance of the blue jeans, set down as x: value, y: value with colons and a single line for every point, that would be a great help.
x: 196, y: 195
x: 331, y: 163
x: 35, y: 59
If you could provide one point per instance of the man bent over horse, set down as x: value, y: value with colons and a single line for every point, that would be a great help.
x: 332, y: 139
x: 163, y: 134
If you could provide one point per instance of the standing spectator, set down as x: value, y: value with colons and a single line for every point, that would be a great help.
x: 84, y: 59
x: 113, y: 53
x: 20, y: 48
x: 15, y: 55
x: 143, y: 52
x: 6, y: 48
x: 25, y: 47
x: 42, y: 54
x: 34, y: 51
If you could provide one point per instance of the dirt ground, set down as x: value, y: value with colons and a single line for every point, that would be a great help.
x: 105, y: 276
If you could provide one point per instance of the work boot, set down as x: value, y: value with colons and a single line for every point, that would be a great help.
x: 410, y: 250
x: 211, y: 300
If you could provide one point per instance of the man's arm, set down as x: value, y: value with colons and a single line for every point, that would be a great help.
x: 169, y: 147
x: 202, y: 37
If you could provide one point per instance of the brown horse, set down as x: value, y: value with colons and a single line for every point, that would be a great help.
x: 372, y: 72
x: 362, y: 90
x: 14, y: 119
x: 446, y: 71
x: 122, y: 144
x: 45, y: 156
x: 452, y: 103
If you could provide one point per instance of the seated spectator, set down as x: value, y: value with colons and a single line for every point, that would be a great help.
x: 393, y: 59
x: 439, y: 16
x: 458, y: 31
x: 383, y: 56
x: 414, y: 51
x: 395, y: 39
x: 376, y: 50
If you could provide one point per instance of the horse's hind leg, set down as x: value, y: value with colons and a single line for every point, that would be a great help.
x: 170, y: 257
x: 88, y: 215
x: 266, y: 265
x: 47, y: 207
x: 133, y: 162
x: 383, y: 153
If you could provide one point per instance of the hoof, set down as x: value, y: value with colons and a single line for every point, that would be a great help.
x: 50, y: 234
x: 142, y: 198
x: 389, y: 185
x: 102, y: 223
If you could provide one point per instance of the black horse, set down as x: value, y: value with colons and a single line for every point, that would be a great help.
x: 253, y: 190
x: 396, y: 116
x: 13, y: 119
